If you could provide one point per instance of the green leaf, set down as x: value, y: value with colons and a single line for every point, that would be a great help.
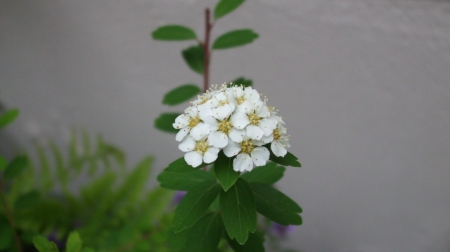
x: 226, y: 6
x: 180, y: 166
x: 87, y: 250
x: 194, y: 204
x: 275, y: 205
x: 43, y: 245
x: 8, y: 117
x: 177, y: 241
x: 288, y: 160
x: 205, y: 235
x: 242, y: 81
x: 15, y: 167
x: 135, y: 181
x: 164, y: 122
x: 6, y: 234
x: 223, y: 169
x: 156, y: 204
x: 3, y: 163
x: 234, y: 38
x: 238, y: 211
x: 183, y: 181
x: 181, y: 94
x: 27, y: 200
x: 194, y: 57
x: 46, y: 178
x: 255, y: 243
x: 174, y: 32
x: 73, y: 242
x: 97, y: 187
x: 62, y: 172
x: 267, y: 174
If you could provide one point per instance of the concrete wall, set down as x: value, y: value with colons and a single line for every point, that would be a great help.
x: 363, y: 86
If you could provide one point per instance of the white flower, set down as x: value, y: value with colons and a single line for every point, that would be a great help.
x: 198, y: 151
x: 280, y: 141
x: 191, y: 122
x: 222, y: 131
x: 248, y: 152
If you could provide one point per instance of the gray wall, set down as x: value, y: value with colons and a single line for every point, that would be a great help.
x: 363, y: 86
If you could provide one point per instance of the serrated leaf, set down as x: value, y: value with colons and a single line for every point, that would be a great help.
x: 43, y: 245
x: 288, y: 160
x: 194, y: 204
x: 267, y: 174
x: 3, y: 163
x: 234, y: 38
x: 181, y: 94
x: 255, y: 243
x: 238, y: 211
x: 164, y: 122
x: 223, y: 169
x: 205, y: 234
x: 8, y: 117
x: 27, y: 200
x: 74, y: 242
x: 15, y: 167
x: 242, y: 81
x: 224, y: 7
x: 194, y: 57
x: 275, y: 205
x: 183, y: 181
x: 180, y: 166
x: 173, y: 33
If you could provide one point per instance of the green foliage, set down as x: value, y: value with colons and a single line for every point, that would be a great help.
x: 267, y: 174
x: 6, y: 234
x: 234, y: 38
x: 275, y: 205
x: 27, y: 200
x: 174, y: 32
x: 183, y: 181
x: 288, y: 160
x: 164, y: 122
x: 226, y: 6
x: 181, y: 94
x: 8, y: 117
x: 242, y: 81
x: 180, y: 166
x: 15, y: 167
x: 194, y: 57
x: 3, y: 163
x: 255, y: 243
x: 74, y: 243
x: 238, y: 211
x: 43, y: 245
x: 223, y: 169
x: 205, y: 235
x: 194, y: 204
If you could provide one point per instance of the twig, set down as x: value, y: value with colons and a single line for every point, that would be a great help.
x: 206, y: 50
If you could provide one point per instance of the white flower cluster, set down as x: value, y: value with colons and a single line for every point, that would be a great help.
x: 235, y: 119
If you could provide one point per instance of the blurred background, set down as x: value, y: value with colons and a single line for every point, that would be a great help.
x: 362, y: 85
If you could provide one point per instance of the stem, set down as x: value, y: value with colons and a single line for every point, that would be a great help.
x: 10, y: 217
x: 206, y: 50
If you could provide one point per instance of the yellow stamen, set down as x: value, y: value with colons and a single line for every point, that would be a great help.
x: 254, y: 119
x: 201, y: 146
x: 240, y: 100
x: 193, y: 121
x: 247, y: 146
x: 276, y: 134
x: 225, y: 126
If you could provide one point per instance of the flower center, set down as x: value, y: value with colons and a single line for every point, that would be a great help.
x: 240, y: 100
x: 276, y: 134
x: 193, y: 121
x: 254, y: 119
x: 222, y: 103
x: 225, y: 126
x: 247, y: 146
x: 201, y: 146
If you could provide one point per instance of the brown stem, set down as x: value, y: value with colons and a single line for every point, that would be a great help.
x: 10, y: 217
x: 206, y: 50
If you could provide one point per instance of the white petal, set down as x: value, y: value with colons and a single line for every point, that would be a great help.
x: 238, y: 92
x: 260, y: 155
x: 254, y: 132
x: 278, y: 149
x: 232, y: 149
x: 181, y: 121
x: 243, y: 162
x: 212, y: 122
x: 267, y: 139
x: 239, y: 120
x: 246, y: 107
x: 193, y: 112
x: 200, y: 131
x: 222, y: 112
x: 188, y: 144
x: 237, y: 135
x: 193, y: 158
x: 262, y: 111
x: 204, y: 111
x: 267, y: 125
x: 210, y: 155
x: 251, y: 94
x: 182, y: 133
x: 218, y: 139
